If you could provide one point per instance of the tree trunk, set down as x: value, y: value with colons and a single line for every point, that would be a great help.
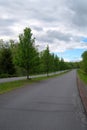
x: 28, y: 77
x: 47, y: 74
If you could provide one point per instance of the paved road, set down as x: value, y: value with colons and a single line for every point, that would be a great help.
x: 52, y: 104
x: 3, y: 80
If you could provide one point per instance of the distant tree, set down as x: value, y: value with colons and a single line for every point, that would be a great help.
x: 52, y: 62
x: 62, y: 64
x: 84, y: 61
x: 46, y: 60
x: 56, y: 63
x: 26, y: 51
x: 1, y: 43
x: 41, y: 62
x: 6, y: 62
x: 14, y: 49
x: 35, y: 62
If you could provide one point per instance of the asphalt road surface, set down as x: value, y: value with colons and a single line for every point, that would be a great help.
x: 52, y: 104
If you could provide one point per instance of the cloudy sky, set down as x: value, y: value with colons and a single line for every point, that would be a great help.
x: 61, y: 24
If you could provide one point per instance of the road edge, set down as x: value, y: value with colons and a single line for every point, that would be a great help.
x: 82, y: 93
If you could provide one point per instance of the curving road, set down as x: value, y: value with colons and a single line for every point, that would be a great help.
x: 53, y: 104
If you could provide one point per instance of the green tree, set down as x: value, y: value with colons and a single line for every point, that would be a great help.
x: 41, y: 62
x: 26, y: 50
x: 46, y: 60
x: 84, y: 61
x: 56, y: 63
x: 14, y: 49
x: 6, y: 62
x: 35, y: 62
x: 62, y: 64
x: 52, y: 62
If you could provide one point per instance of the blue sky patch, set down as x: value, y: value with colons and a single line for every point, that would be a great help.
x: 84, y: 40
x: 71, y: 55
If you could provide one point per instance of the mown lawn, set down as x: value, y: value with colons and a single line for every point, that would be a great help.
x: 5, y: 87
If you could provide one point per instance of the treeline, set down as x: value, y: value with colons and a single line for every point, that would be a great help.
x: 83, y: 64
x: 23, y: 58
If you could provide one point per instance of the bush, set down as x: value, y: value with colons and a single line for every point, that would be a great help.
x: 7, y: 75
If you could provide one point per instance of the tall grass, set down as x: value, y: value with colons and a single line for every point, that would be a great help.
x: 82, y: 75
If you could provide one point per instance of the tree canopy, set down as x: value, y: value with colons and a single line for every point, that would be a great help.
x: 26, y: 50
x: 84, y: 61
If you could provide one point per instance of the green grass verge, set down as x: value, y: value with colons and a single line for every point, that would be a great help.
x: 8, y: 86
x: 83, y: 76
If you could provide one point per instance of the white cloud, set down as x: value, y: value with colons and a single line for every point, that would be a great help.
x: 60, y: 23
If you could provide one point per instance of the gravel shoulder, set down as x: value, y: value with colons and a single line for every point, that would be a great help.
x: 83, y: 92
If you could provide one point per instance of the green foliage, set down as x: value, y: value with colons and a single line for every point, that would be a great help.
x: 62, y: 64
x: 26, y: 51
x: 6, y: 62
x: 82, y: 75
x: 56, y: 63
x: 84, y: 61
x: 46, y: 60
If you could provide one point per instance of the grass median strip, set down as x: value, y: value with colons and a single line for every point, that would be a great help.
x: 5, y: 87
x: 8, y: 86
